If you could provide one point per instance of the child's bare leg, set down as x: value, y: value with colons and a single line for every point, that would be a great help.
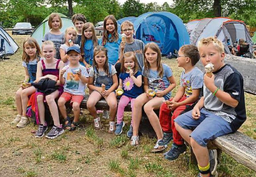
x: 62, y: 107
x: 92, y: 100
x: 50, y: 99
x: 185, y: 133
x: 24, y: 97
x: 18, y: 101
x: 112, y: 103
x: 41, y: 109
x: 149, y: 107
x: 76, y: 110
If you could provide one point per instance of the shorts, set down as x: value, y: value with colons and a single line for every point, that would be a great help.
x: 208, y: 127
x: 74, y: 98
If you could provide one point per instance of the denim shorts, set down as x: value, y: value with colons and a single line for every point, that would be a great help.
x: 208, y: 127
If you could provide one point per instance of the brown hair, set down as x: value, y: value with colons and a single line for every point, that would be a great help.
x: 97, y: 50
x: 83, y: 38
x: 78, y: 17
x: 191, y: 51
x: 134, y: 58
x: 127, y: 23
x: 212, y: 40
x: 51, y: 17
x: 114, y: 36
x: 32, y: 43
x: 153, y: 46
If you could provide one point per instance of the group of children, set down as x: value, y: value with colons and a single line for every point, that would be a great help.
x: 126, y: 67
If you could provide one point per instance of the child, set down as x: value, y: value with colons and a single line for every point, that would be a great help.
x: 220, y: 111
x: 158, y: 83
x: 75, y: 77
x: 70, y: 37
x: 31, y: 55
x: 102, y: 82
x: 111, y: 39
x: 49, y: 68
x: 78, y: 20
x: 88, y: 42
x: 55, y: 35
x: 191, y: 81
x: 130, y: 81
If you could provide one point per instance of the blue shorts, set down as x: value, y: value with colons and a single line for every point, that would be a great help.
x: 208, y: 127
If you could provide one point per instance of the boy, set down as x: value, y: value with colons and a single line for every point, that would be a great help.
x: 74, y: 76
x: 191, y: 82
x: 220, y: 111
x: 79, y: 20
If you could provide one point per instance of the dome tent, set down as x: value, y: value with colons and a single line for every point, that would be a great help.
x: 164, y: 28
x: 43, y: 28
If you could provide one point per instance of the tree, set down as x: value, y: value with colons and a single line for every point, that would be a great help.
x: 132, y: 8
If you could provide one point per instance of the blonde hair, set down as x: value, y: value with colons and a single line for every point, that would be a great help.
x: 48, y: 43
x: 153, y: 46
x: 71, y: 28
x: 212, y: 40
x: 97, y: 50
x: 51, y: 17
x: 83, y: 38
x: 32, y: 43
x: 134, y: 58
x: 127, y: 23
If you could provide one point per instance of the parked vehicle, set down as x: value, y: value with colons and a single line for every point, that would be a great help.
x: 99, y: 28
x: 22, y: 28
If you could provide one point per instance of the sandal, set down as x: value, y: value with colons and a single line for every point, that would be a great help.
x: 97, y: 123
x: 159, y: 148
x: 73, y: 126
x: 135, y: 140
x: 68, y: 123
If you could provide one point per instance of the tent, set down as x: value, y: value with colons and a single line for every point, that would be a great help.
x: 225, y: 29
x: 7, y: 45
x: 43, y: 28
x: 164, y: 28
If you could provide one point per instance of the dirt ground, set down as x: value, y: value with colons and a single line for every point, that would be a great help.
x: 86, y: 152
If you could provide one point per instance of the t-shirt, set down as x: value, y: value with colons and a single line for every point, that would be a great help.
x: 191, y: 80
x: 34, y: 62
x: 130, y: 89
x: 229, y: 80
x: 78, y: 39
x: 57, y: 39
x: 136, y: 46
x: 88, y: 51
x: 155, y: 82
x: 73, y: 84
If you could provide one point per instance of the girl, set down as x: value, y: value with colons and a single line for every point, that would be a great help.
x: 55, y: 35
x: 88, y: 42
x: 31, y: 55
x: 102, y: 81
x: 111, y: 39
x: 49, y: 67
x: 130, y: 81
x: 158, y: 82
x: 70, y: 38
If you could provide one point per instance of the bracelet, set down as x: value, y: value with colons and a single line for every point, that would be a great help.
x: 215, y: 91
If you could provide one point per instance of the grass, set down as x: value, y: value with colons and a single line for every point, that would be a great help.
x: 89, y: 152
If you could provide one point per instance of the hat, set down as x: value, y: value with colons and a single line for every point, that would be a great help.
x: 74, y: 48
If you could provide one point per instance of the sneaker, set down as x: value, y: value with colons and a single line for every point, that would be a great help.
x: 54, y: 132
x: 23, y: 122
x: 213, y: 156
x: 105, y: 114
x: 199, y: 175
x: 166, y: 139
x: 135, y: 140
x: 130, y: 132
x: 175, y: 151
x: 16, y: 119
x: 158, y: 147
x: 41, y: 131
x: 111, y: 127
x: 119, y: 128
x: 97, y: 123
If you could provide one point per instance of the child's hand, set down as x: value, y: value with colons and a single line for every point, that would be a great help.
x: 131, y: 72
x: 105, y: 93
x: 196, y: 112
x: 209, y: 81
x: 87, y: 65
x: 173, y: 105
x: 122, y: 45
x: 62, y: 72
x: 79, y: 73
x: 160, y: 93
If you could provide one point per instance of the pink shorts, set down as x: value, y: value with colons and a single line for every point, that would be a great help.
x: 73, y: 98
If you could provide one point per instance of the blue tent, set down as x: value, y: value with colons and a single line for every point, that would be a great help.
x: 164, y: 28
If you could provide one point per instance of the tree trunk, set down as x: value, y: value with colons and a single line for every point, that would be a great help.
x: 70, y: 8
x: 217, y: 8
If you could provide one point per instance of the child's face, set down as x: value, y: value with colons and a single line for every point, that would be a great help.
x: 48, y: 51
x: 110, y: 27
x: 181, y: 59
x: 30, y: 51
x: 88, y: 33
x: 210, y: 54
x: 127, y: 30
x: 74, y: 57
x: 79, y: 25
x: 128, y: 63
x: 151, y: 56
x: 100, y: 58
x: 56, y: 23
x: 71, y: 34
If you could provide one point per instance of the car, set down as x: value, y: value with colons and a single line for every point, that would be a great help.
x: 22, y: 28
x: 99, y: 28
